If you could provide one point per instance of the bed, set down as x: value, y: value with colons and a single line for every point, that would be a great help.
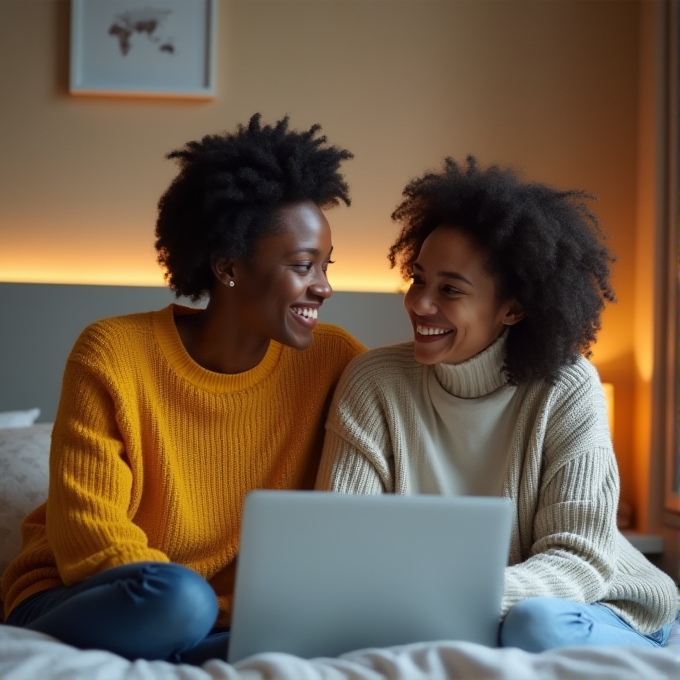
x: 26, y: 655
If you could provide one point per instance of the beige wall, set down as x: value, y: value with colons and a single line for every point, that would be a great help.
x: 550, y: 86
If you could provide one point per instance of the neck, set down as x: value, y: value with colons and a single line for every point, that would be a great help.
x: 478, y: 376
x: 216, y: 343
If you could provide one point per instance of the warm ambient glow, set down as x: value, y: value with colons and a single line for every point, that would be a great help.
x: 609, y: 398
x: 87, y: 275
x: 84, y: 277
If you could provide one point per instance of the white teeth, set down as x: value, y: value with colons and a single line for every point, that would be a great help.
x: 428, y: 330
x: 307, y: 312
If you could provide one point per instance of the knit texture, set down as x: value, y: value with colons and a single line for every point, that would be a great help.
x: 561, y: 474
x: 152, y: 455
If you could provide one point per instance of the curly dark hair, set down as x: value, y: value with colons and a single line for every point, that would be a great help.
x: 543, y: 246
x: 228, y: 191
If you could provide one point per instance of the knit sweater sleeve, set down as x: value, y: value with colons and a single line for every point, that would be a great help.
x: 345, y: 469
x: 357, y: 457
x: 574, y: 552
x: 91, y: 495
x: 571, y: 534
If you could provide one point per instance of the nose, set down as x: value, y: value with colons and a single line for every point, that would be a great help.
x: 320, y: 286
x: 420, y: 302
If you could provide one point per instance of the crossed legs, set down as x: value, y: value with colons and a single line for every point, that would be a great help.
x: 149, y: 610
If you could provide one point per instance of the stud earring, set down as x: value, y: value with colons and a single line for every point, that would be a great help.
x: 231, y: 284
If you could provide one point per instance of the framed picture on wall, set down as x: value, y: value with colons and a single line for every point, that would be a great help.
x: 143, y: 48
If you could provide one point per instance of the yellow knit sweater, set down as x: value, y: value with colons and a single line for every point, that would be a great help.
x: 152, y: 455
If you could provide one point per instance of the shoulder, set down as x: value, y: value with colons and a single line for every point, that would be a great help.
x: 574, y: 408
x: 578, y: 376
x: 577, y: 386
x: 375, y: 387
x: 380, y: 368
x: 329, y: 337
x: 112, y: 334
x: 117, y: 325
x: 574, y: 381
x: 390, y: 356
x: 331, y: 350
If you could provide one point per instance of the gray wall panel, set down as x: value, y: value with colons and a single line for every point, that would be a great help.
x: 40, y: 323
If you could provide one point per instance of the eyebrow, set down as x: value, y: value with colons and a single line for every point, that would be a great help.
x: 310, y: 251
x: 446, y: 274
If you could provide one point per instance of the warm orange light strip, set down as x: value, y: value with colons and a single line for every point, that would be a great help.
x: 85, y: 277
x: 366, y: 284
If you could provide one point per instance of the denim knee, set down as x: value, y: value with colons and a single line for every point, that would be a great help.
x: 176, y: 597
x: 531, y: 625
x: 152, y: 610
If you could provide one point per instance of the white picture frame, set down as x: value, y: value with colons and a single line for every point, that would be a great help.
x: 143, y: 48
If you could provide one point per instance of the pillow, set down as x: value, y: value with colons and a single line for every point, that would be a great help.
x: 24, y: 475
x: 18, y: 418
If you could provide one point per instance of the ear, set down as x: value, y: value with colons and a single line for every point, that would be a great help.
x: 513, y: 313
x: 223, y: 269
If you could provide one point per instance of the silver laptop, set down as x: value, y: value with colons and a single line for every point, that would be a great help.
x: 321, y: 574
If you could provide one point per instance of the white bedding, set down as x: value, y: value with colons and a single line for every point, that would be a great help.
x: 26, y: 655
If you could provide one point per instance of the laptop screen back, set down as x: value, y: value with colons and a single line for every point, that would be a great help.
x: 321, y: 574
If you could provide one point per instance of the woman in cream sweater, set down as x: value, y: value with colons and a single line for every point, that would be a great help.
x: 495, y: 397
x: 167, y: 419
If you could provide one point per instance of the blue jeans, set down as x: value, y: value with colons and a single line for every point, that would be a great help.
x: 144, y: 610
x: 541, y: 623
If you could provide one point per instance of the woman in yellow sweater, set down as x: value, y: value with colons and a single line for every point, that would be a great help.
x: 167, y: 419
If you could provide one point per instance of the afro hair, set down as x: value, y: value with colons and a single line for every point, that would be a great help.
x: 543, y: 246
x: 227, y: 193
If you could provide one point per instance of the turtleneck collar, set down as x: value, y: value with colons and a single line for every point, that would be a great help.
x: 478, y: 376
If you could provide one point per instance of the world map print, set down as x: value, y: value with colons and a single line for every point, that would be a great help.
x: 143, y: 23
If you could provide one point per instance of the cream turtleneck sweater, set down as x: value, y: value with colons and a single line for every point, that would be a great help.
x: 398, y: 426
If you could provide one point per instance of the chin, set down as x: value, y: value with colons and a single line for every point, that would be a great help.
x: 426, y: 353
x: 297, y: 342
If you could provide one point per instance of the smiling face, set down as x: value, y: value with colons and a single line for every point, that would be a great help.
x: 279, y: 289
x: 453, y: 302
